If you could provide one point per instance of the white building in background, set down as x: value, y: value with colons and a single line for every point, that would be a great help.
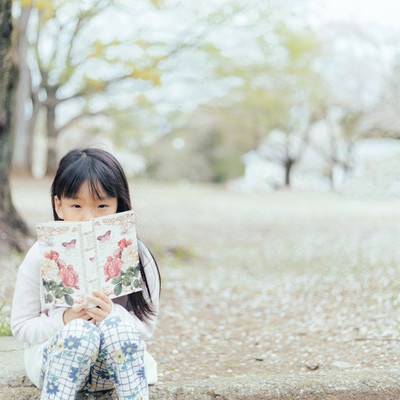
x: 375, y: 170
x: 260, y: 174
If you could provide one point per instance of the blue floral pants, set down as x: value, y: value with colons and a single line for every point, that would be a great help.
x: 83, y: 356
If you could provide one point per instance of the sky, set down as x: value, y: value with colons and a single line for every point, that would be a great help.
x: 384, y: 13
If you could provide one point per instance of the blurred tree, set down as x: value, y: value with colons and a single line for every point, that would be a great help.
x: 22, y: 125
x: 214, y: 151
x: 297, y: 82
x: 278, y: 93
x: 382, y: 119
x: 268, y: 83
x: 199, y: 150
x: 151, y: 125
x: 256, y: 66
x: 72, y: 65
x: 343, y: 134
x: 349, y: 97
x: 13, y: 229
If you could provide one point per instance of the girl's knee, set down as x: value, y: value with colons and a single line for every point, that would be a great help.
x: 79, y: 336
x: 113, y: 329
x: 114, y: 323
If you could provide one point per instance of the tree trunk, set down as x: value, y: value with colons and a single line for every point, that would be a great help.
x: 51, y: 139
x: 13, y: 230
x: 289, y: 163
x: 22, y: 140
x: 51, y: 131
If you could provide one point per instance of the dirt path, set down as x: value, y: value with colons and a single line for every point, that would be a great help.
x: 265, y: 284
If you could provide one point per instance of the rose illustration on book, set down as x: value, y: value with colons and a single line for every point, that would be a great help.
x: 114, y: 267
x: 69, y: 277
x: 60, y: 282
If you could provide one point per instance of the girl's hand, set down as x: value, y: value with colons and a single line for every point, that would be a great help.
x: 103, y: 306
x: 76, y: 311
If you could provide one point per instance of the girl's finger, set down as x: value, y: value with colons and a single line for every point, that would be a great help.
x: 96, y: 301
x: 78, y: 307
x: 101, y: 301
x: 98, y: 314
x: 101, y: 296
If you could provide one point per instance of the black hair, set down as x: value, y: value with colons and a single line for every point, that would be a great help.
x: 102, y: 171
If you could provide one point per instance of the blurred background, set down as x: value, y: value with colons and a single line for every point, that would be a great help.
x: 253, y: 95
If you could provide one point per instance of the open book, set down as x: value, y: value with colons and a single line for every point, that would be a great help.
x: 79, y: 257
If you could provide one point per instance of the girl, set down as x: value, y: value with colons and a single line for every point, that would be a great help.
x: 80, y: 348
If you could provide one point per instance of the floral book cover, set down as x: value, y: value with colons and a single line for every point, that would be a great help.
x: 79, y: 257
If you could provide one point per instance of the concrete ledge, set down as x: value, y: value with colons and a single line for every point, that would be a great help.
x: 313, y: 385
x: 358, y: 385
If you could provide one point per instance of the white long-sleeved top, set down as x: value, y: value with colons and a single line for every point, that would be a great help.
x: 34, y: 322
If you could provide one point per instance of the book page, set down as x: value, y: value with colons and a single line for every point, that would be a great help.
x: 63, y: 263
x: 79, y: 257
x: 117, y: 254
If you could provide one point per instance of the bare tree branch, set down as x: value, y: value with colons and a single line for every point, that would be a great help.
x: 78, y: 117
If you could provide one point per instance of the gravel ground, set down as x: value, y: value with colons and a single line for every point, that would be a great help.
x: 264, y: 284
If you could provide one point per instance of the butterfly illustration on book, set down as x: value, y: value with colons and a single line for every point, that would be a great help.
x: 106, y: 236
x: 69, y: 245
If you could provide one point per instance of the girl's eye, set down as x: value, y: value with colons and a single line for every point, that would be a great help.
x: 76, y: 206
x: 103, y: 206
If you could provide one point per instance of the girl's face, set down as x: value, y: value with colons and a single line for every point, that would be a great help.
x: 84, y: 206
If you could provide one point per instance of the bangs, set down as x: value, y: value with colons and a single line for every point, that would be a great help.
x: 96, y: 175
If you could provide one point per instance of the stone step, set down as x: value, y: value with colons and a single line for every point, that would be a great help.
x: 315, y: 385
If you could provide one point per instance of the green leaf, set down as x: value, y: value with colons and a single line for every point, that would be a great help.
x: 68, y: 299
x: 118, y: 289
x: 49, y: 298
x: 136, y: 283
x: 117, y: 280
x: 126, y: 281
